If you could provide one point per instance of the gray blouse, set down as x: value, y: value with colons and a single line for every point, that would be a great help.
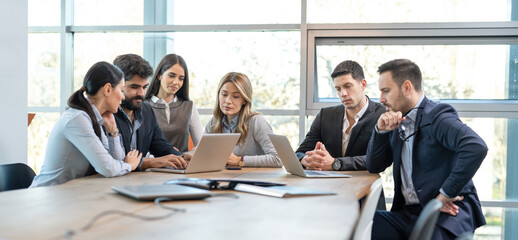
x: 73, y: 146
x: 257, y: 149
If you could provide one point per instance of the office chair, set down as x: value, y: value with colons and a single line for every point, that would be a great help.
x: 15, y: 176
x: 423, y: 228
x: 364, y: 225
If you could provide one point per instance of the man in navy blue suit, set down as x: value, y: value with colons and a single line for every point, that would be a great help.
x: 434, y: 154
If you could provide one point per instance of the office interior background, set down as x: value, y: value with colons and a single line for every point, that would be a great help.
x: 467, y: 51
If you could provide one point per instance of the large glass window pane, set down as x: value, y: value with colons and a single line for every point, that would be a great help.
x: 395, y: 11
x: 90, y: 48
x: 234, y: 12
x: 491, y: 178
x: 495, y: 221
x: 43, y: 70
x: 113, y: 12
x: 44, y: 12
x: 38, y: 134
x: 271, y: 60
x: 496, y: 218
x: 449, y: 71
x: 287, y: 126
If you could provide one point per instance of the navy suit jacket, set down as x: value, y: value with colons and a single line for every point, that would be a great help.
x: 446, y: 154
x: 150, y: 137
x: 327, y: 128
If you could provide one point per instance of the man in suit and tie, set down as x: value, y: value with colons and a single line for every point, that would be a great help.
x: 339, y: 134
x: 434, y: 154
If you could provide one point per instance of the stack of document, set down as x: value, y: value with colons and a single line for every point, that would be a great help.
x: 280, y: 191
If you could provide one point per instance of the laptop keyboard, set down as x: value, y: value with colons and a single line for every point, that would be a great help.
x: 314, y: 172
x: 169, y: 167
x: 322, y: 173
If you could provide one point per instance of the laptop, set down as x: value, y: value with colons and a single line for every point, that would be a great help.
x: 210, y: 155
x: 150, y: 192
x: 292, y: 164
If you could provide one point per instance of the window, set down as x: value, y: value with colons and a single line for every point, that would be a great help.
x: 107, y: 46
x: 470, y: 66
x: 410, y: 11
x: 196, y: 12
x: 38, y: 134
x: 43, y: 92
x: 113, y: 12
x: 44, y: 13
x: 275, y: 77
x: 44, y: 69
x: 449, y: 71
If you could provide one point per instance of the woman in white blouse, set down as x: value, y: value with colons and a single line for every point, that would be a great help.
x: 77, y: 145
x: 168, y: 94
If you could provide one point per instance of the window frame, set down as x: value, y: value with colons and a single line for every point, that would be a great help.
x: 414, y: 34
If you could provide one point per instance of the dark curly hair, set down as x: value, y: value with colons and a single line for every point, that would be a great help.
x: 133, y: 64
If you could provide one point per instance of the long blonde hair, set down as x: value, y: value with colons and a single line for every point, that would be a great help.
x: 244, y: 86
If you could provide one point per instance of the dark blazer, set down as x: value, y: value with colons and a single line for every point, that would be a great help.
x: 446, y: 154
x: 150, y: 137
x: 327, y: 128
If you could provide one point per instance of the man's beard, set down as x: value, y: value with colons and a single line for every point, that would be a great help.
x: 399, y: 105
x: 128, y: 103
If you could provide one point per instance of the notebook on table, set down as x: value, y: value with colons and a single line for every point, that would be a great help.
x: 280, y: 191
x: 211, y: 154
x: 292, y: 164
x: 150, y: 192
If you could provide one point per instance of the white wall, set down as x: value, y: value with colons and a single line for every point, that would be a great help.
x: 13, y: 81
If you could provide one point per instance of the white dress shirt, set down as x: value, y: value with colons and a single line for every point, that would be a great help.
x: 345, y: 135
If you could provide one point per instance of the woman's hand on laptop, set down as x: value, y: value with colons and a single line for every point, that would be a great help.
x: 170, y: 160
x: 187, y: 156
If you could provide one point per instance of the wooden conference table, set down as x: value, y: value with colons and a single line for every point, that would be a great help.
x: 46, y: 212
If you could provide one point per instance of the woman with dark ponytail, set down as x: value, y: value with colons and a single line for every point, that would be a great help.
x: 77, y: 145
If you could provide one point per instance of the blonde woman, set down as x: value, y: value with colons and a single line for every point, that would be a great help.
x: 233, y: 114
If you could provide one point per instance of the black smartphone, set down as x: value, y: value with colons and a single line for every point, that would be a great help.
x: 233, y: 167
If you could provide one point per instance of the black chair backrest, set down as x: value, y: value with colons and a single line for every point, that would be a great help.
x: 15, y: 176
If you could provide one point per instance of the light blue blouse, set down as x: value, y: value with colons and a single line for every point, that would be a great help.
x: 73, y: 146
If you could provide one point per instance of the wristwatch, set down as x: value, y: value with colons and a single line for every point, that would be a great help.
x: 337, y: 165
x: 113, y: 134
